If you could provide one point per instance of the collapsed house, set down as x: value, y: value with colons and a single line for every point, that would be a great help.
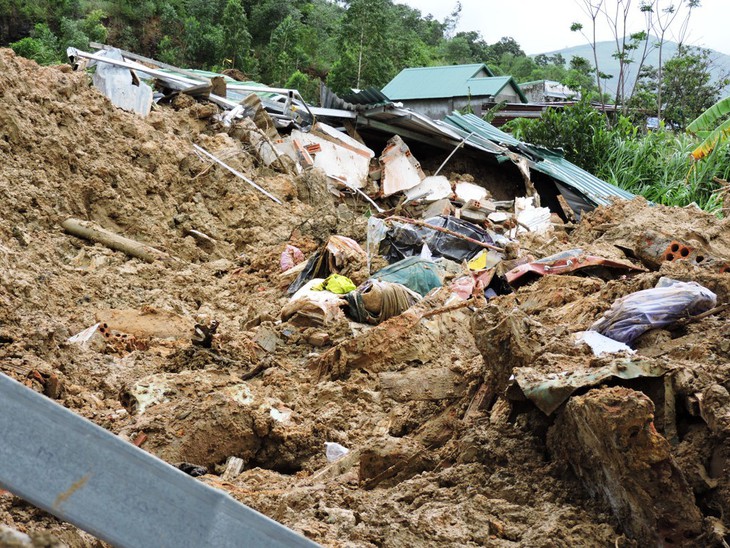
x: 371, y: 326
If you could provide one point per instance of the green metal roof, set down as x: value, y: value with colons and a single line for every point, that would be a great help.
x: 439, y: 82
x: 543, y: 160
x: 493, y: 86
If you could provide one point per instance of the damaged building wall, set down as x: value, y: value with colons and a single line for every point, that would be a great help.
x: 438, y: 109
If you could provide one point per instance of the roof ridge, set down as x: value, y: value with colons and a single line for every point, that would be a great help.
x: 488, y: 78
x: 445, y: 66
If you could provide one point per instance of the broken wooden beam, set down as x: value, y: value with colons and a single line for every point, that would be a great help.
x: 93, y: 232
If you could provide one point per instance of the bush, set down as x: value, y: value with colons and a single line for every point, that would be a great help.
x: 41, y: 46
x: 659, y: 167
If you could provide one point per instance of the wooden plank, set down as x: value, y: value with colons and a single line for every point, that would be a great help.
x: 422, y: 384
x: 234, y: 465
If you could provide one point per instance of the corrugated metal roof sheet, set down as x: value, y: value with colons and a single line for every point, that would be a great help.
x: 544, y: 161
x: 433, y: 82
x: 469, y: 122
x: 370, y: 97
x: 233, y: 95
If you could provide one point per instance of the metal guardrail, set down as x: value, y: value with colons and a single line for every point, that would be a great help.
x: 87, y: 476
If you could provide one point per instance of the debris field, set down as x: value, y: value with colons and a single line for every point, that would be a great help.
x: 458, y: 393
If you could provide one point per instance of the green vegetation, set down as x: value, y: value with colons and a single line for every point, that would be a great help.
x: 713, y: 125
x: 657, y: 165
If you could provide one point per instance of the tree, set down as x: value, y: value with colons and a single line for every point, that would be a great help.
x: 457, y: 51
x: 506, y: 44
x: 592, y: 8
x: 580, y: 131
x: 617, y: 20
x: 476, y: 51
x: 451, y: 22
x: 205, y: 43
x: 665, y: 13
x: 307, y: 87
x: 41, y: 45
x: 520, y: 67
x: 579, y: 76
x: 643, y: 99
x: 321, y: 21
x: 365, y: 52
x: 687, y: 88
x: 266, y: 15
x: 284, y: 54
x: 235, y: 34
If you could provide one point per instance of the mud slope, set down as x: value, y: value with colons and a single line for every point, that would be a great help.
x: 466, y: 465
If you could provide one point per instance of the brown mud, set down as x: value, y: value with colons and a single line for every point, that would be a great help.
x: 454, y: 464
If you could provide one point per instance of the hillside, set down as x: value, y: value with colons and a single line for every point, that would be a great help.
x: 609, y: 65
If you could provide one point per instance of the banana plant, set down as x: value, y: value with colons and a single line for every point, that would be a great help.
x: 705, y: 127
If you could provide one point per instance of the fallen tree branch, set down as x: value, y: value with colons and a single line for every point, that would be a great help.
x: 698, y: 317
x: 93, y: 232
x: 445, y: 231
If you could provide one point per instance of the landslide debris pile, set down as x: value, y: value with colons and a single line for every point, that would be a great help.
x: 475, y: 424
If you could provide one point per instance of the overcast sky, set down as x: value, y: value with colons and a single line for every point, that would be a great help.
x: 544, y: 25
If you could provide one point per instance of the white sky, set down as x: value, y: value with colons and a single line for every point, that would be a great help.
x: 544, y: 25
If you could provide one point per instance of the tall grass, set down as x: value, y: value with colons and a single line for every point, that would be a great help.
x: 658, y: 166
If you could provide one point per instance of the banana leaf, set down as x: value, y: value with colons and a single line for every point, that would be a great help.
x: 708, y: 119
x: 719, y: 135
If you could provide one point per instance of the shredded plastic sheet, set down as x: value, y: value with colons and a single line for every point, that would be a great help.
x: 600, y: 344
x: 377, y: 229
x: 290, y: 257
x: 407, y: 240
x: 85, y: 336
x: 669, y: 301
x: 335, y: 451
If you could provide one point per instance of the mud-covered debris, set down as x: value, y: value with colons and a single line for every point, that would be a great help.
x: 548, y: 391
x: 311, y: 308
x: 608, y: 438
x: 400, y: 169
x: 391, y: 460
x: 146, y: 322
x: 575, y: 260
x: 203, y: 334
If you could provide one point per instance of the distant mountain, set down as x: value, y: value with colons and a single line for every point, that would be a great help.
x: 609, y: 65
